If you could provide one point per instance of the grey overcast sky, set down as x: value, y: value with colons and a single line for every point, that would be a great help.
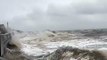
x: 34, y: 15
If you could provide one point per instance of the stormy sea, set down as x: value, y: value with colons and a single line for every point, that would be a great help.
x: 63, y: 44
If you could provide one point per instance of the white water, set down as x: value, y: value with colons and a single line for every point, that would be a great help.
x: 41, y: 43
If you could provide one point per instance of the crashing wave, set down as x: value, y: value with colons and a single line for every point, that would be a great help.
x: 70, y: 53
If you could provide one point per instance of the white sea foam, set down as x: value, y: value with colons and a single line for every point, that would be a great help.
x: 39, y: 44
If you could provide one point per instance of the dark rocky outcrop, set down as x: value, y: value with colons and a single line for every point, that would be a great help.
x: 66, y: 53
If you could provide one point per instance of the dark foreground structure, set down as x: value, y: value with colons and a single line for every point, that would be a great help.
x: 8, y: 49
x: 66, y: 53
x: 5, y: 37
x: 70, y: 53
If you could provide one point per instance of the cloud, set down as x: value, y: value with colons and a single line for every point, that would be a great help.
x: 35, y: 15
x: 91, y: 8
